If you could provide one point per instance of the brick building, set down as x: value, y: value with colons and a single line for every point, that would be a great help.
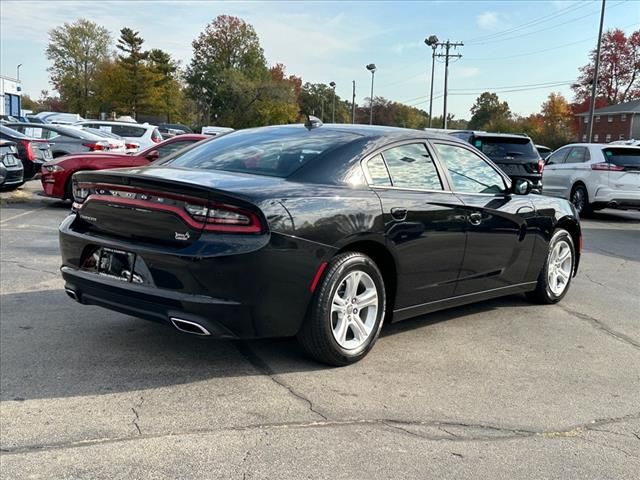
x: 615, y: 122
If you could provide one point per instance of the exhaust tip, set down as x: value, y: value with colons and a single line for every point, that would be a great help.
x: 188, y: 326
x: 72, y: 294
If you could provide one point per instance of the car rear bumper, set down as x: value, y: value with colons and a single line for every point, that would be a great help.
x: 220, y: 318
x: 248, y: 290
x: 608, y: 198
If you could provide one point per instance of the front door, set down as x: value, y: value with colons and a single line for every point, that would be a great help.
x: 423, y: 223
x: 499, y: 243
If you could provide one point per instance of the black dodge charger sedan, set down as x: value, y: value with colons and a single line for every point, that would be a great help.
x: 319, y: 231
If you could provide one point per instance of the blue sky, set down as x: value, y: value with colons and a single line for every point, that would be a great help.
x: 509, y: 45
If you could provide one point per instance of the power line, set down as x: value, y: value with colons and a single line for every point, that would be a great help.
x: 546, y: 28
x: 557, y: 14
x: 542, y: 84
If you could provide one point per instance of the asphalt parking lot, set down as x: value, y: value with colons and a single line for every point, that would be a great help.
x: 501, y: 389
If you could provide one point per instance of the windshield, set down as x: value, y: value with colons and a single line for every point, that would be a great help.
x: 275, y: 152
x: 501, y: 148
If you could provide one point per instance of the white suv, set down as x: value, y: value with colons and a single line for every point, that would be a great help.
x: 594, y: 176
x: 144, y: 134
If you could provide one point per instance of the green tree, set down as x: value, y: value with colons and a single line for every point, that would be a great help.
x: 75, y: 50
x: 168, y: 90
x: 226, y: 70
x: 317, y: 99
x: 488, y: 109
x: 133, y: 62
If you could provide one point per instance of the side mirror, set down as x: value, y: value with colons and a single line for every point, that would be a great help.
x: 153, y: 155
x: 522, y: 186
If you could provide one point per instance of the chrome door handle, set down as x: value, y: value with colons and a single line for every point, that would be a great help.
x: 475, y: 218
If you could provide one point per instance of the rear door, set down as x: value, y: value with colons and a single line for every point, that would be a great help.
x: 553, y: 180
x: 624, y: 172
x: 499, y: 246
x: 423, y: 221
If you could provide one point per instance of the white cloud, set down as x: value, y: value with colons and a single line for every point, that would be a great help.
x: 488, y: 20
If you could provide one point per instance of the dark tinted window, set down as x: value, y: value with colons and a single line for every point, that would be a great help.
x: 506, y: 148
x: 127, y: 131
x: 558, y: 156
x: 623, y: 157
x: 277, y: 151
x: 578, y: 155
x: 165, y: 150
x: 378, y: 171
x: 468, y: 171
x: 411, y: 166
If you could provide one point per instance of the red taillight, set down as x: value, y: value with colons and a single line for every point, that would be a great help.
x: 156, y: 137
x: 212, y: 217
x: 224, y: 218
x: 96, y: 147
x: 540, y: 165
x: 606, y: 166
x: 28, y: 149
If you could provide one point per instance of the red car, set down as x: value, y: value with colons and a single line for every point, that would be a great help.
x: 56, y: 174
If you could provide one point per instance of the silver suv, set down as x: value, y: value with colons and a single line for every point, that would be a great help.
x: 594, y: 176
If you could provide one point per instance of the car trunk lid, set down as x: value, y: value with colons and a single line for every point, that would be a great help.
x: 163, y: 208
x: 624, y: 168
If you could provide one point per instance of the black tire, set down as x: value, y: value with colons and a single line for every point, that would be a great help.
x: 580, y: 200
x: 316, y: 335
x: 543, y: 293
x: 68, y: 190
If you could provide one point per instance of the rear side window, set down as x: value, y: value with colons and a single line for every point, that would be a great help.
x: 272, y: 152
x: 411, y: 166
x: 378, y: 174
x: 506, y: 148
x: 623, y: 157
x: 165, y: 150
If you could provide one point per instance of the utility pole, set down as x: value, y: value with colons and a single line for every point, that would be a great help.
x: 447, y: 55
x: 594, y: 80
x: 353, y: 104
x: 333, y: 109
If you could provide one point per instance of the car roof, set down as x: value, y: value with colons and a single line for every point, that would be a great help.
x: 109, y: 122
x: 483, y: 133
x: 599, y: 145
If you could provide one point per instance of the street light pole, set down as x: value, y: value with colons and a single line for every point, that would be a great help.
x: 333, y: 108
x: 353, y: 104
x: 594, y: 80
x: 372, y: 68
x: 18, y: 71
x: 432, y: 41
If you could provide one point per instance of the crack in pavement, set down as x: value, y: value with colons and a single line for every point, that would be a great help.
x: 397, y: 425
x: 248, y: 454
x: 137, y: 416
x: 33, y: 269
x: 262, y: 366
x: 598, y: 324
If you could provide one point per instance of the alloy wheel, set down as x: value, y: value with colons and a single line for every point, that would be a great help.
x: 559, y: 267
x: 578, y: 198
x: 354, y: 310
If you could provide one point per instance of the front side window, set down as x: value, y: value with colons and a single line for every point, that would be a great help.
x: 411, y: 166
x: 578, y: 155
x: 469, y: 172
x: 378, y: 173
x: 557, y: 157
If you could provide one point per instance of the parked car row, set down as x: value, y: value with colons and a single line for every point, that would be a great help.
x: 56, y: 175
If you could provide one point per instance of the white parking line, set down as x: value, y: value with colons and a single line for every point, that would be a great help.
x: 21, y: 215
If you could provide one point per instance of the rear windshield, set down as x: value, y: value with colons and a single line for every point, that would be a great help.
x: 10, y: 132
x: 624, y: 157
x: 275, y: 151
x: 502, y: 148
